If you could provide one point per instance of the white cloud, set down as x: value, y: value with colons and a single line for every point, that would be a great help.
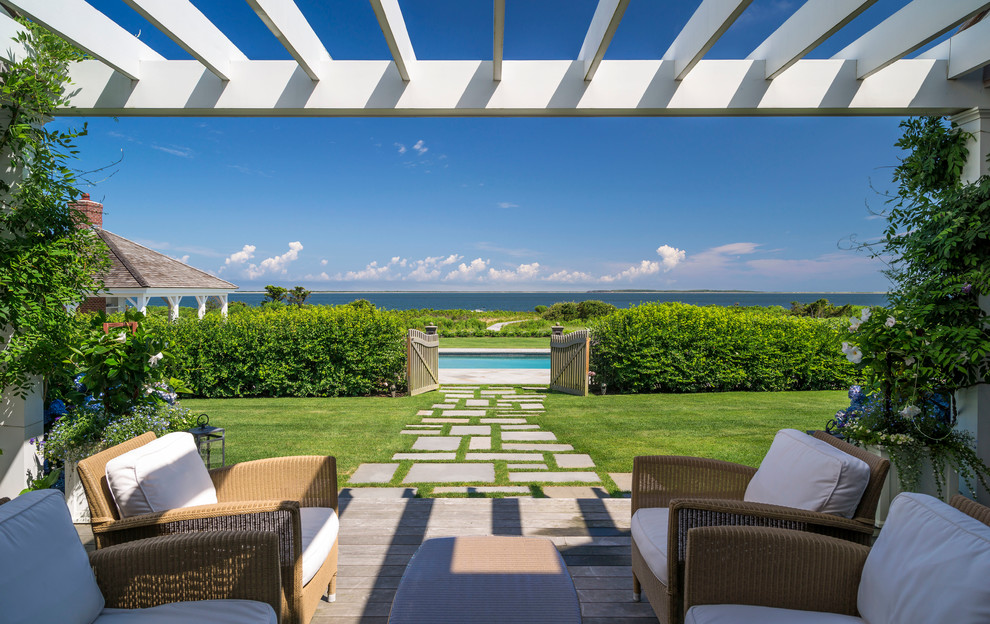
x: 670, y: 256
x: 429, y: 268
x: 275, y: 264
x: 420, y: 147
x: 569, y: 277
x: 239, y: 257
x: 323, y: 262
x: 175, y: 150
x: 522, y: 273
x: 507, y: 205
x: 467, y: 271
x: 374, y: 271
x: 400, y: 147
x: 322, y: 277
x: 183, y: 259
x: 637, y: 270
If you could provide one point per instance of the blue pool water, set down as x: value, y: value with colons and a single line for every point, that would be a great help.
x: 495, y: 360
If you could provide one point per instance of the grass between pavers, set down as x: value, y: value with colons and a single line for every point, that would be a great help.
x: 734, y: 426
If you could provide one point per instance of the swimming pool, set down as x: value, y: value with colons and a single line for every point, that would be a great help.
x: 495, y: 360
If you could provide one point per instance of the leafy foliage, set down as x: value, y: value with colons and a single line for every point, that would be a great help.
x: 46, y: 261
x: 298, y: 296
x: 275, y: 294
x: 820, y: 309
x: 675, y: 347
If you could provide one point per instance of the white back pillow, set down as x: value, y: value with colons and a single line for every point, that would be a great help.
x: 44, y: 570
x: 164, y: 474
x: 931, y: 563
x: 804, y: 472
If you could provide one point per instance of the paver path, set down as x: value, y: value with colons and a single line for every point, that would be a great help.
x: 491, y: 438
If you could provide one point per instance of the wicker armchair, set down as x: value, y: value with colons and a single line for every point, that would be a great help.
x: 762, y: 567
x: 264, y: 495
x: 708, y: 492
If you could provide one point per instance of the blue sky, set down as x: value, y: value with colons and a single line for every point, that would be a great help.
x: 499, y: 204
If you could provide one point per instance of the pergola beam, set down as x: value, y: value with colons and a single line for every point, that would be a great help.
x: 293, y: 31
x: 709, y: 22
x: 91, y: 31
x: 394, y: 28
x: 913, y: 26
x: 969, y: 50
x: 192, y: 31
x: 498, y: 43
x: 528, y: 88
x: 809, y: 26
x: 605, y: 22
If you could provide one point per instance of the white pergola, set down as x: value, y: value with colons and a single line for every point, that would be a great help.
x: 875, y: 74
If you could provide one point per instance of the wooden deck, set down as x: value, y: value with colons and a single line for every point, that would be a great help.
x: 379, y: 535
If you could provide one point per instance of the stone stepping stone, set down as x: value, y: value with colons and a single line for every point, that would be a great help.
x: 442, y: 443
x: 518, y: 457
x: 446, y: 420
x: 373, y: 473
x: 477, y: 403
x: 428, y: 412
x: 459, y: 396
x: 513, y: 446
x: 553, y: 477
x: 520, y: 436
x: 518, y: 427
x: 623, y: 480
x: 424, y: 456
x: 444, y: 406
x: 531, y: 406
x: 480, y: 444
x: 572, y: 491
x: 424, y: 426
x: 456, y: 387
x: 503, y: 421
x: 575, y: 460
x: 527, y: 467
x: 453, y: 412
x: 481, y: 489
x: 534, y: 387
x: 529, y: 397
x: 378, y: 492
x: 496, y: 392
x: 463, y: 430
x: 421, y: 432
x: 450, y: 473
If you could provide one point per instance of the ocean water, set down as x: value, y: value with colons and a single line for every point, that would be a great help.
x: 526, y: 301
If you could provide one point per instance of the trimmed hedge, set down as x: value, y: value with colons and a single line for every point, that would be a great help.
x: 674, y: 347
x: 288, y: 351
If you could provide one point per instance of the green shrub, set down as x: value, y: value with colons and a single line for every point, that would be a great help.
x: 682, y: 348
x: 594, y: 308
x: 540, y: 309
x: 288, y: 351
x: 562, y: 311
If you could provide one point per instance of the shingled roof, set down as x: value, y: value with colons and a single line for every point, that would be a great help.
x: 136, y: 266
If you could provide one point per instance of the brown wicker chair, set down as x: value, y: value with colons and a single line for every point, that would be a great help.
x: 264, y: 494
x: 709, y: 492
x: 772, y: 567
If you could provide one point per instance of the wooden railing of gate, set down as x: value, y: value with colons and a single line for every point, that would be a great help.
x: 569, y: 362
x: 423, y: 360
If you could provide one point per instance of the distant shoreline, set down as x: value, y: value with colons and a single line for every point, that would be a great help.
x: 582, y: 292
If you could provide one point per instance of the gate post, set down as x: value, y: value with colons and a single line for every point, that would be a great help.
x: 557, y: 330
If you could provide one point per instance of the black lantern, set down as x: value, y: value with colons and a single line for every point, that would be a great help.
x: 209, y: 442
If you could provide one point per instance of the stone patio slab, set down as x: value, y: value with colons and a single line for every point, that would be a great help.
x: 575, y: 460
x: 444, y: 405
x: 441, y: 443
x: 623, y: 480
x: 428, y: 412
x: 462, y: 430
x: 553, y: 477
x: 518, y: 427
x: 377, y: 492
x: 420, y: 432
x: 527, y: 467
x: 563, y: 491
x: 514, y: 446
x: 534, y: 387
x: 459, y: 396
x: 531, y: 406
x: 373, y: 473
x: 425, y: 456
x: 432, y: 473
x: 454, y: 412
x: 477, y: 402
x: 424, y: 426
x: 521, y: 436
x: 519, y: 457
x: 480, y: 444
x: 481, y: 489
x: 446, y: 420
x: 504, y: 421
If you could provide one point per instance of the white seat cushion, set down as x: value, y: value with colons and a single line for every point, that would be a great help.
x: 319, y: 532
x: 44, y: 570
x: 931, y: 563
x: 167, y: 473
x: 804, y: 472
x: 747, y: 614
x: 200, y: 612
x: 649, y: 531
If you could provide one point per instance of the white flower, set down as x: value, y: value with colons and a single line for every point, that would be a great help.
x: 909, y: 361
x: 122, y: 337
x: 854, y: 323
x: 853, y: 353
x: 890, y: 321
x: 910, y: 411
x: 153, y: 360
x: 866, y: 314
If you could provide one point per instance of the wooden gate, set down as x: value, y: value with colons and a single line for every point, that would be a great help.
x: 423, y: 361
x: 569, y: 362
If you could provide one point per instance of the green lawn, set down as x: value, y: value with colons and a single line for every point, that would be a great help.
x: 735, y: 426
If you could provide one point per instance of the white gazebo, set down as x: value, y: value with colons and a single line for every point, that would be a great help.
x: 879, y: 73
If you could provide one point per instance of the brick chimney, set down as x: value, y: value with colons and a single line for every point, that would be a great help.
x: 91, y: 209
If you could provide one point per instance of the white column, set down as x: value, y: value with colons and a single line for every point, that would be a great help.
x: 223, y: 305
x: 201, y: 305
x: 20, y: 421
x: 173, y: 306
x: 140, y: 302
x: 974, y: 403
